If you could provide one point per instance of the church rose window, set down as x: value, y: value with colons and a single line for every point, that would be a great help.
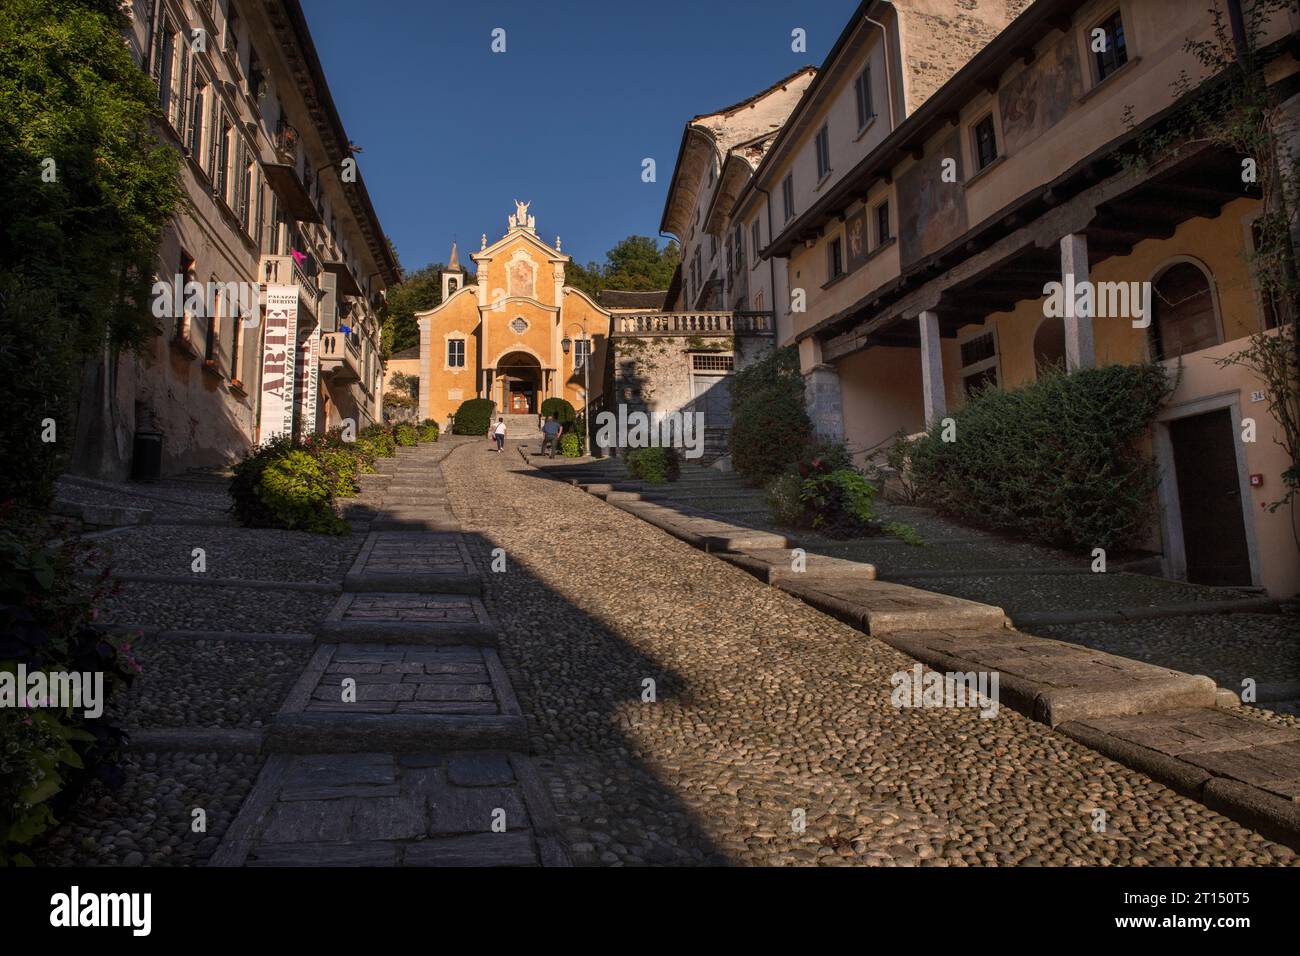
x: 519, y: 325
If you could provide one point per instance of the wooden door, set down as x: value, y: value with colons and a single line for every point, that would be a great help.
x: 1209, y: 499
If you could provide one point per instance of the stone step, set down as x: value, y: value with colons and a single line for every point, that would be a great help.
x: 429, y: 563
x: 411, y: 617
x: 399, y: 698
x: 323, y: 733
x: 391, y: 523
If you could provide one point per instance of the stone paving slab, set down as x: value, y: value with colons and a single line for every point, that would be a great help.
x: 414, y: 561
x: 1054, y: 682
x: 1244, y: 768
x: 883, y: 607
x: 774, y: 564
x: 417, y: 618
x: 381, y: 809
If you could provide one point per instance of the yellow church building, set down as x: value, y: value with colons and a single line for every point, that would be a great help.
x: 513, y: 332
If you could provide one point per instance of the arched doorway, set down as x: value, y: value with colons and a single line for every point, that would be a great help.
x: 519, y: 384
x: 1186, y: 315
x: 1049, y: 345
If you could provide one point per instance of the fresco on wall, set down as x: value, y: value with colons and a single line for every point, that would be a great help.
x: 855, y: 233
x: 1040, y: 95
x: 932, y: 213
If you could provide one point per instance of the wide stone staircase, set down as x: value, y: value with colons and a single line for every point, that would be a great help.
x: 402, y: 742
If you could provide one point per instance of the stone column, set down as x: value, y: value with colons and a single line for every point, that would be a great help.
x: 1079, y: 351
x: 932, y: 386
x: 825, y: 401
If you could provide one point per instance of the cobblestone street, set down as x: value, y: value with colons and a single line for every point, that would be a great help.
x: 766, y: 707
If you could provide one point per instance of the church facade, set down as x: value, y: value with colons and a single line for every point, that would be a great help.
x: 513, y: 332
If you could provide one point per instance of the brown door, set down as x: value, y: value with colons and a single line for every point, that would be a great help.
x: 518, y: 399
x: 1209, y: 499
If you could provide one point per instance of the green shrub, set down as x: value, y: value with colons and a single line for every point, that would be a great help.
x: 570, y: 445
x: 654, y: 465
x: 769, y: 433
x: 784, y: 501
x: 562, y: 412
x: 406, y: 435
x: 1058, y: 461
x: 249, y: 509
x: 473, y: 417
x: 341, y: 467
x: 428, y: 430
x: 296, y: 491
x: 838, y: 502
x: 381, y: 438
x: 48, y: 754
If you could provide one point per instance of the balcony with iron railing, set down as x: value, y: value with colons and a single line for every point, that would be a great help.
x: 694, y: 323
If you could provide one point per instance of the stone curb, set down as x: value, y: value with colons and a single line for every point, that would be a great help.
x: 1273, y: 817
x: 195, y: 740
x: 255, y: 584
x: 1191, y: 609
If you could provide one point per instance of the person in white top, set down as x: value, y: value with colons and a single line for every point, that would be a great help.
x: 499, y: 434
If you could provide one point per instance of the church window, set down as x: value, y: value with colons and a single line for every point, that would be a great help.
x: 455, y: 353
x: 519, y: 325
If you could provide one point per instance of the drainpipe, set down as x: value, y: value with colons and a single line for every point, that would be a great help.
x: 889, y: 72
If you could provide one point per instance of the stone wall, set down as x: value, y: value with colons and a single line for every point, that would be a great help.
x: 939, y: 37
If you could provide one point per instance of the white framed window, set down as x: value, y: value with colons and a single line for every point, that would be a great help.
x: 823, y: 144
x: 862, y: 92
x: 455, y: 353
x: 979, y: 361
x: 581, y: 352
x: 984, y: 142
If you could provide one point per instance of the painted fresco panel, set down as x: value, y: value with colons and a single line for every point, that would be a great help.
x: 1040, y: 95
x: 932, y: 213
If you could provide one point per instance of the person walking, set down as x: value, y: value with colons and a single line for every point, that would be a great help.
x: 499, y: 435
x: 551, y: 434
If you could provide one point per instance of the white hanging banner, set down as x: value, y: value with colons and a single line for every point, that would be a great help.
x: 308, y: 374
x: 278, y: 361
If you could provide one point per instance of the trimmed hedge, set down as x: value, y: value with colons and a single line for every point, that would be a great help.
x: 563, y: 412
x: 770, y: 428
x: 654, y: 465
x: 1059, y: 461
x: 769, y: 433
x: 571, y: 445
x: 428, y: 430
x: 473, y: 417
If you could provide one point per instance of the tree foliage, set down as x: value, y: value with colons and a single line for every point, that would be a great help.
x: 86, y: 185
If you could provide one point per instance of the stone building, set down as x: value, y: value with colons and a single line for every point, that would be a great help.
x: 276, y: 205
x: 513, y: 332
x: 921, y: 237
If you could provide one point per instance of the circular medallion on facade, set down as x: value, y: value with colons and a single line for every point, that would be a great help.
x: 519, y: 325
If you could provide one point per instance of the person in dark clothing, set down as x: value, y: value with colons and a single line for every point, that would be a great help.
x: 551, y: 435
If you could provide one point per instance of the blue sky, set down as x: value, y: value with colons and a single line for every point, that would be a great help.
x: 453, y: 132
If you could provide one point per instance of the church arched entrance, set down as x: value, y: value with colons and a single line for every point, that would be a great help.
x: 519, y: 384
